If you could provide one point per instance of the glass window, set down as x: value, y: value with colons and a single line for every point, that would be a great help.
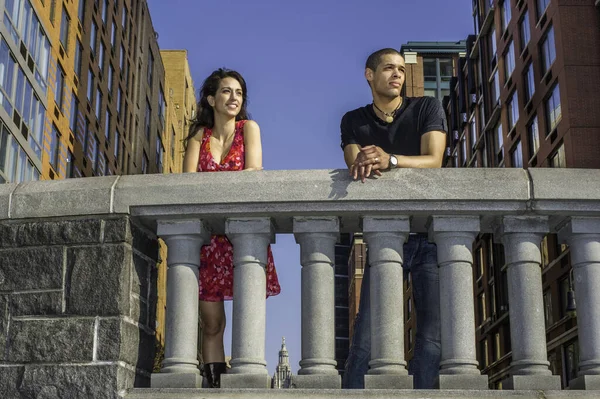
x: 54, y: 147
x: 150, y: 67
x: 529, y: 83
x: 117, y: 136
x: 496, y: 87
x: 571, y: 360
x: 473, y: 131
x: 107, y: 125
x: 548, y: 308
x: 105, y: 11
x: 506, y: 14
x: 124, y: 19
x: 60, y: 84
x: 499, y: 144
x: 113, y: 34
x: 533, y: 136
x: 77, y: 59
x: 524, y: 30
x: 147, y: 120
x: 90, y: 86
x: 553, y: 110
x: 548, y: 50
x: 81, y: 10
x: 493, y: 44
x: 144, y: 163
x: 101, y: 56
x: 98, y: 102
x: 516, y: 156
x: 513, y: 111
x: 93, y: 37
x: 173, y: 139
x: 558, y: 159
x: 541, y: 7
x: 159, y: 154
x: 509, y: 61
x: 70, y: 166
x: 74, y: 112
x: 111, y: 73
x: 64, y: 29
x: 122, y: 58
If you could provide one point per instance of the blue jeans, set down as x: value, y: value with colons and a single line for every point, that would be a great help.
x: 420, y: 259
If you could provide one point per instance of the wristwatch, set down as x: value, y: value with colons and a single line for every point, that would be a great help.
x: 393, y: 162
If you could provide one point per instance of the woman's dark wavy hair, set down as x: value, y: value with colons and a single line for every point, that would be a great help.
x: 205, y: 115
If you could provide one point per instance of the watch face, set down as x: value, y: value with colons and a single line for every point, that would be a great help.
x: 393, y: 161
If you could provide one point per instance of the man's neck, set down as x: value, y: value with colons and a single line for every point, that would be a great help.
x: 387, y: 104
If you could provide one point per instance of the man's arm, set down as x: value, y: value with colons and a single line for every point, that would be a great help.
x: 433, y: 145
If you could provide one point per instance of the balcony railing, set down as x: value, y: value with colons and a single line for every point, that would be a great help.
x: 452, y: 205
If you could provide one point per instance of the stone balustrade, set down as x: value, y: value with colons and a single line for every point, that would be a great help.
x: 78, y: 262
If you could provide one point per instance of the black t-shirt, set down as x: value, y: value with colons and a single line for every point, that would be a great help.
x: 416, y: 116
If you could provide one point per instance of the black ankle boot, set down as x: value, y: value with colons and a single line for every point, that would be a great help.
x: 213, y: 373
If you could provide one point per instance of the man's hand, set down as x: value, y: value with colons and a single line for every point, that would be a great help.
x: 370, y: 159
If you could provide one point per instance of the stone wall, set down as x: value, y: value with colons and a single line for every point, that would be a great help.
x: 77, y: 307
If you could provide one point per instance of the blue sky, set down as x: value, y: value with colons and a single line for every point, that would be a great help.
x: 304, y: 64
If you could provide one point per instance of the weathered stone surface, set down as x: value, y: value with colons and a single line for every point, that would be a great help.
x: 124, y: 341
x: 17, y: 266
x: 3, y: 326
x: 36, y: 303
x: 98, y: 280
x: 117, y: 229
x: 81, y: 382
x: 78, y: 231
x: 139, y: 310
x: 8, y: 235
x: 144, y: 241
x: 10, y: 376
x: 51, y: 340
x: 140, y: 276
x: 90, y: 196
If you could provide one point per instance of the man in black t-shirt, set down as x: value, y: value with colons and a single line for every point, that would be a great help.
x: 397, y: 132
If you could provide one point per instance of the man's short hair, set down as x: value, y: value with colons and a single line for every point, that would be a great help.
x: 375, y: 59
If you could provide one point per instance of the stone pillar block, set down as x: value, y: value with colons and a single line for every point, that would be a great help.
x: 317, y: 238
x: 250, y: 238
x: 184, y: 239
x: 454, y: 238
x: 521, y: 236
x: 385, y: 237
x: 583, y: 236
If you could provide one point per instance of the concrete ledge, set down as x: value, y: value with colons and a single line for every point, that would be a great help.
x: 463, y: 381
x: 245, y: 381
x: 176, y: 380
x: 588, y: 382
x: 140, y: 393
x: 374, y: 381
x: 317, y: 381
x: 527, y: 382
x: 69, y: 197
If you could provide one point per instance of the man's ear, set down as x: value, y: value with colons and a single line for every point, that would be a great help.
x: 211, y: 100
x: 369, y: 75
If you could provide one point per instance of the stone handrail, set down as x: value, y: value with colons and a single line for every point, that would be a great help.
x: 452, y: 205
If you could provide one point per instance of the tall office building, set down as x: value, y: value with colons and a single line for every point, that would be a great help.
x: 182, y: 100
x: 26, y: 67
x: 526, y: 96
x: 342, y: 250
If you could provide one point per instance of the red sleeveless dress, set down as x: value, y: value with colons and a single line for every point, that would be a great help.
x: 216, y: 259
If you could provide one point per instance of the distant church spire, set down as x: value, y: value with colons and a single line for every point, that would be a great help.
x: 283, y: 373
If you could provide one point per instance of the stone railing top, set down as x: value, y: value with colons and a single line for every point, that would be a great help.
x: 283, y: 194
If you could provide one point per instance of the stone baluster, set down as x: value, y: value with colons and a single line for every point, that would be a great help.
x: 529, y: 369
x: 583, y: 236
x: 454, y: 238
x: 250, y: 238
x: 184, y: 238
x: 385, y: 237
x: 317, y: 237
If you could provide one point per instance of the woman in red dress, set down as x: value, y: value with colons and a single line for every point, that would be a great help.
x: 222, y: 139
